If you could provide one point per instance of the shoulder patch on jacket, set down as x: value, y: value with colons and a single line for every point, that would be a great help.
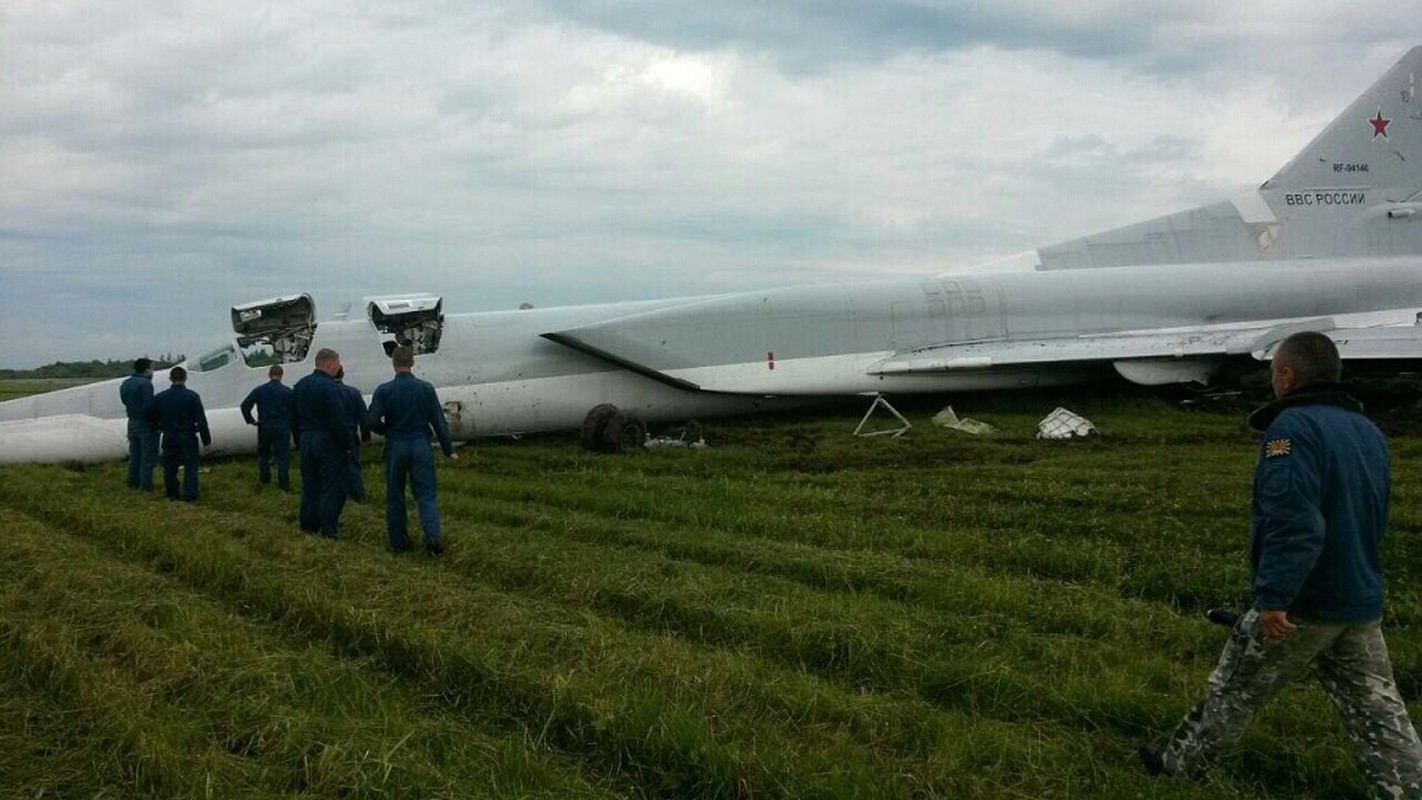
x: 1278, y: 447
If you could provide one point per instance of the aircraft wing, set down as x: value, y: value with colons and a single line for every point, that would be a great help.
x: 1036, y: 352
x: 1394, y: 342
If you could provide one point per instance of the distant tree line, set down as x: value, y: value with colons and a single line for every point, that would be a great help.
x: 96, y: 369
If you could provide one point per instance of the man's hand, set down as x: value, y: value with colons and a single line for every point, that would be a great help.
x: 1275, y: 624
x: 454, y: 456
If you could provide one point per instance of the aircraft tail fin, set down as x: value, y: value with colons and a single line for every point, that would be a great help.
x: 1376, y: 144
x: 1355, y: 190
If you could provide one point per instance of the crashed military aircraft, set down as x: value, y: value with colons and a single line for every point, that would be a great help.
x: 1333, y: 243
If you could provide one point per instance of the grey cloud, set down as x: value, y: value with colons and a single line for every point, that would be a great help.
x: 807, y: 36
x: 161, y: 162
x: 1161, y: 38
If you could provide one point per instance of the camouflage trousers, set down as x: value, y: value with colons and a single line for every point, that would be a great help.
x: 1350, y: 661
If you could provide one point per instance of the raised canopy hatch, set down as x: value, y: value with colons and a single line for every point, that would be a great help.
x: 275, y: 331
x: 415, y: 321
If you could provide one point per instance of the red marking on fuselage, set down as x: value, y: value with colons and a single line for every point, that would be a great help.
x: 1379, y: 125
x: 770, y: 360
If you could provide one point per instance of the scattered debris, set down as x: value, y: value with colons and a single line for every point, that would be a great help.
x: 688, y: 435
x: 1063, y: 424
x: 674, y: 441
x: 948, y: 418
x: 880, y: 402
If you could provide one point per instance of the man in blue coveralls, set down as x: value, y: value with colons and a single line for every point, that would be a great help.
x: 360, y: 432
x: 1320, y: 508
x: 177, y: 412
x: 273, y: 402
x: 323, y: 426
x: 136, y: 392
x: 404, y: 411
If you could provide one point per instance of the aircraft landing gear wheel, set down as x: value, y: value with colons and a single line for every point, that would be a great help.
x: 594, y: 425
x: 625, y: 433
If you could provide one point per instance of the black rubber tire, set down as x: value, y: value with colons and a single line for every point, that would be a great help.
x: 592, y: 436
x: 625, y: 433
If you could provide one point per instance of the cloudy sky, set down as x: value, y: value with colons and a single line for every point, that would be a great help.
x: 163, y: 160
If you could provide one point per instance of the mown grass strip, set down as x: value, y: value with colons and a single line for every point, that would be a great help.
x: 204, y: 704
x: 945, y: 517
x: 47, y: 749
x: 1273, y: 755
x: 147, y: 745
x: 686, y: 721
x: 971, y: 657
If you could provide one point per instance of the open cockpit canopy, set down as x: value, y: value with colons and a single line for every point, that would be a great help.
x: 413, y: 320
x: 275, y: 331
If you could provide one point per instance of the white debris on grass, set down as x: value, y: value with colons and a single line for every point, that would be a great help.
x: 1063, y: 424
x: 673, y: 441
x: 948, y: 418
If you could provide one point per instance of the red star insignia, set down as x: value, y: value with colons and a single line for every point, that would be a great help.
x: 1379, y: 125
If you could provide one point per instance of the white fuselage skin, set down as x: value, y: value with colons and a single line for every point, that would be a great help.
x: 496, y: 375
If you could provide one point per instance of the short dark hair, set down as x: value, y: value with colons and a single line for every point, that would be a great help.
x: 403, y: 356
x: 177, y: 375
x: 1312, y: 356
x: 276, y: 371
x: 326, y: 355
x: 142, y: 364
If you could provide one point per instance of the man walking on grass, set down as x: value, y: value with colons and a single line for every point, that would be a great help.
x: 1320, y: 508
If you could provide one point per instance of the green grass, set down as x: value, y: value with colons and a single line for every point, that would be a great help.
x: 790, y: 613
x: 20, y: 387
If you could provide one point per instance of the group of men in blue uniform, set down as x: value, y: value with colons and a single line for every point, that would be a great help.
x: 170, y: 422
x: 329, y: 419
x: 326, y: 418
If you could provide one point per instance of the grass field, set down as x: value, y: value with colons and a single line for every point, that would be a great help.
x: 10, y: 389
x: 791, y: 612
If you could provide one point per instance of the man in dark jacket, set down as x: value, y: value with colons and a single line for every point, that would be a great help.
x: 1320, y: 508
x: 405, y: 410
x: 177, y: 412
x: 323, y: 426
x: 273, y: 402
x: 360, y: 432
x: 136, y: 392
